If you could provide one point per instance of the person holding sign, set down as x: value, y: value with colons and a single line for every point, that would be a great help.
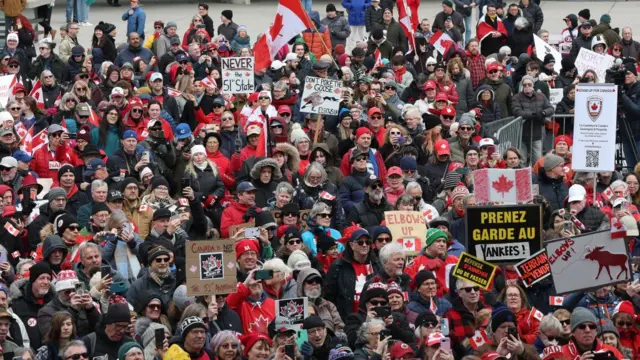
x: 435, y: 258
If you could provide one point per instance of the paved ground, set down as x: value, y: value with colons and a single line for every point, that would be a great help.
x: 259, y: 15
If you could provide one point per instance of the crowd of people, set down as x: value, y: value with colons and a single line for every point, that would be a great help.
x: 144, y: 152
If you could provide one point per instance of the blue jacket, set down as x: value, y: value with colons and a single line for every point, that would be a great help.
x: 310, y: 240
x: 112, y: 141
x: 356, y: 10
x: 135, y: 22
x: 128, y: 54
x: 420, y: 305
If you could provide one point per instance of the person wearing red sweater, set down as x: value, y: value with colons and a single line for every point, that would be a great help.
x: 255, y: 308
x: 240, y: 211
x: 436, y: 259
x: 44, y: 159
x: 583, y: 337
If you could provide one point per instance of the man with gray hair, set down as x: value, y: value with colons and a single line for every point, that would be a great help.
x: 99, y: 191
x: 630, y: 47
x: 550, y: 331
x: 57, y: 201
x: 75, y: 349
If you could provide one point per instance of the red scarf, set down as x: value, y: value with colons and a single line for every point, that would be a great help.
x: 399, y: 74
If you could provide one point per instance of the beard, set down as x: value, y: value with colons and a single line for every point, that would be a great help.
x: 376, y: 195
x: 65, y: 302
x: 313, y: 293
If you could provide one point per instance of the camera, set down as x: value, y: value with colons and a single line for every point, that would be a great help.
x: 616, y: 73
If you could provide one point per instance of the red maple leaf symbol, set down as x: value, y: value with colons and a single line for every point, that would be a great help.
x: 594, y: 106
x: 337, y: 91
x: 247, y: 74
x: 227, y: 73
x: 478, y: 339
x: 502, y: 185
x: 277, y: 26
x: 309, y: 86
x: 408, y: 244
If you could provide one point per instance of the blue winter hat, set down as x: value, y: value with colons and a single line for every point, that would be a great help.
x: 183, y: 131
x: 408, y: 163
x: 501, y: 314
x: 378, y: 230
x: 129, y: 134
x: 21, y: 156
x: 358, y: 234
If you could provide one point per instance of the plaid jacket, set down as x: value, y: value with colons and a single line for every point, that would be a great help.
x: 461, y: 321
x: 475, y: 65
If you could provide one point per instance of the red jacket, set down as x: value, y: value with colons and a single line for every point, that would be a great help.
x: 449, y: 89
x: 237, y: 160
x: 255, y: 316
x: 440, y: 268
x: 345, y: 165
x: 631, y: 340
x: 528, y: 326
x: 232, y: 215
x: 224, y: 168
x: 571, y: 352
x: 45, y: 164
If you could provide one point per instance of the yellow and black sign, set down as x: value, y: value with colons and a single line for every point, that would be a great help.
x: 474, y: 270
x: 504, y: 234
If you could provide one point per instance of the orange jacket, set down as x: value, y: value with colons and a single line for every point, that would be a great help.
x: 314, y: 41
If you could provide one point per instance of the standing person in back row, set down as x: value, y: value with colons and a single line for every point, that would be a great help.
x: 135, y: 18
x: 12, y: 9
x: 228, y: 28
x: 356, y: 10
x: 338, y: 26
x: 203, y: 10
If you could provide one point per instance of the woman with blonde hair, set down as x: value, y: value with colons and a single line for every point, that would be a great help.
x: 66, y: 109
x: 122, y: 257
x: 396, y: 139
x: 282, y: 285
x: 431, y: 135
x: 460, y: 76
x: 193, y: 30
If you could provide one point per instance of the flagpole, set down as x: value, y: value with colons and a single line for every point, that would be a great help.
x: 321, y: 39
x: 318, y: 129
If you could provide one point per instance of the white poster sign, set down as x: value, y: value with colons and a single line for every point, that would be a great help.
x: 594, y: 127
x: 6, y: 82
x: 237, y: 75
x: 589, y: 60
x: 321, y: 96
x: 555, y: 96
x: 542, y: 49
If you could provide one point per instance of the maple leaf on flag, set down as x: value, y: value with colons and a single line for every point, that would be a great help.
x: 502, y: 185
x: 309, y: 86
x: 276, y: 27
x: 594, y: 106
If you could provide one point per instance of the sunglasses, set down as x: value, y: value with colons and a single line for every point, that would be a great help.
x: 78, y: 356
x: 408, y: 171
x: 56, y: 135
x: 229, y: 346
x: 15, y: 109
x: 263, y: 98
x: 447, y: 117
x: 430, y: 324
x: 585, y: 326
x: 566, y: 322
x: 493, y: 71
x: 395, y: 133
x: 385, y: 239
x: 324, y: 216
x: 183, y: 62
x: 364, y: 242
x: 376, y: 117
x: 361, y: 158
x: 471, y: 288
x: 290, y: 215
x: 527, y: 85
x: 136, y: 110
x: 624, y: 324
x: 276, y: 127
x: 158, y: 27
x: 285, y: 114
x: 83, y: 116
x: 379, y: 302
x: 217, y: 106
x: 154, y: 307
x: 161, y: 260
x: 315, y: 280
x: 431, y: 65
x: 81, y: 89
x: 389, y: 88
x: 294, y: 242
x: 14, y: 66
x: 465, y: 128
x: 375, y: 187
x: 74, y: 228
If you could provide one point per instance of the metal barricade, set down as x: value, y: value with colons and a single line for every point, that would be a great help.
x: 565, y: 122
x: 510, y: 134
x: 490, y: 129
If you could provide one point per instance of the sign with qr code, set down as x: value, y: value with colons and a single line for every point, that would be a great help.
x: 594, y: 127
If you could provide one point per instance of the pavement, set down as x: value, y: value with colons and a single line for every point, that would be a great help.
x: 259, y: 15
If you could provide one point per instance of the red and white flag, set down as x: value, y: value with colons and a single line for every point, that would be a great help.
x: 209, y: 82
x: 58, y: 99
x: 509, y: 186
x: 12, y: 230
x: 536, y: 314
x: 441, y: 42
x: 327, y: 196
x: 618, y: 230
x: 31, y: 143
x: 263, y: 143
x: 291, y: 19
x: 173, y: 92
x: 20, y: 130
x: 433, y: 306
x: 378, y: 56
x: 94, y: 118
x: 478, y: 339
x: 37, y: 94
x: 556, y: 300
x: 405, y: 20
x: 411, y: 244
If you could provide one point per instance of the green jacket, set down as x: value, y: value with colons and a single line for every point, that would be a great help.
x: 112, y: 143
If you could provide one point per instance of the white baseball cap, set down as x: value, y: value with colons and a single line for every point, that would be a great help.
x: 8, y: 162
x: 577, y: 193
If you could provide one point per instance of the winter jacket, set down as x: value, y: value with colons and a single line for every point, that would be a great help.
x: 322, y: 307
x: 255, y: 315
x: 368, y: 214
x: 135, y: 22
x: 456, y: 17
x: 54, y: 63
x: 65, y: 47
x: 631, y: 102
x: 466, y: 100
x: 437, y: 265
x: 44, y: 162
x: 146, y: 284
x: 372, y: 16
x: 374, y: 155
x: 338, y: 28
x: 129, y: 53
x: 490, y: 110
x: 112, y: 142
x: 232, y: 215
x: 386, y: 49
x: 318, y: 40
x: 108, y: 48
x: 394, y: 33
x: 528, y: 326
x: 457, y: 149
x: 26, y: 306
x: 13, y: 8
x: 206, y: 182
x: 554, y: 190
x: 356, y: 10
x: 340, y: 282
x: 534, y: 110
x: 421, y: 305
x: 630, y: 48
x: 593, y: 219
x: 103, y: 345
x: 240, y: 42
x: 611, y: 36
x: 399, y: 328
x: 579, y: 42
x: 520, y: 40
x: 533, y: 13
x: 509, y: 23
x: 503, y: 95
x: 352, y: 189
x: 85, y: 320
x: 163, y: 44
x: 264, y: 191
x: 528, y: 354
x: 570, y: 350
x: 229, y: 31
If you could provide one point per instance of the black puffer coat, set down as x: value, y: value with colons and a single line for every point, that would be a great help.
x: 265, y: 192
x: 205, y: 182
x: 24, y: 305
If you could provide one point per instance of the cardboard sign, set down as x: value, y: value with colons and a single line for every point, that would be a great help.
x: 408, y: 228
x: 233, y: 229
x: 594, y: 127
x: 503, y: 186
x: 237, y: 75
x: 555, y: 96
x: 302, y: 218
x: 290, y: 313
x: 590, y: 60
x: 588, y: 261
x: 211, y: 267
x: 474, y: 270
x: 504, y: 234
x: 542, y: 49
x: 6, y: 85
x: 321, y: 96
x: 534, y: 268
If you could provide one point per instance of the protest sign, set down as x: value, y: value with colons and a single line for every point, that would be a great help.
x: 555, y: 96
x: 594, y: 127
x: 237, y: 75
x: 290, y: 313
x: 504, y: 234
x: 588, y: 261
x: 6, y: 84
x: 408, y: 228
x: 210, y: 267
x: 474, y: 270
x: 321, y: 96
x: 590, y: 60
x: 507, y: 186
x: 542, y: 49
x: 534, y: 268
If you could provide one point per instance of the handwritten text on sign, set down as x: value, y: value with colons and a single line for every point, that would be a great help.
x: 211, y: 267
x: 534, y: 268
x: 237, y: 75
x: 474, y: 270
x: 321, y: 96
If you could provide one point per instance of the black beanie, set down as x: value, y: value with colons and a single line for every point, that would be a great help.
x: 501, y: 314
x: 585, y: 13
x: 228, y: 14
x: 422, y: 276
x: 567, y: 64
x: 62, y: 222
x: 548, y: 59
x: 97, y: 207
x: 65, y: 169
x: 430, y: 121
x: 331, y: 7
x: 377, y: 34
x: 126, y: 182
x: 117, y: 313
x: 158, y: 181
x: 39, y: 269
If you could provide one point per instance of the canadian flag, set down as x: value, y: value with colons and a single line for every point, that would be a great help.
x: 536, y: 314
x: 618, y: 230
x: 405, y: 20
x: 20, y: 130
x: 31, y: 143
x: 479, y: 338
x: 173, y: 92
x: 261, y: 149
x: 509, y: 186
x: 94, y: 118
x: 209, y: 82
x: 327, y: 196
x: 12, y: 230
x: 607, y: 194
x: 37, y: 94
x: 556, y: 300
x: 291, y: 19
x: 58, y: 99
x: 411, y: 244
x: 441, y: 42
x: 378, y: 56
x: 433, y: 306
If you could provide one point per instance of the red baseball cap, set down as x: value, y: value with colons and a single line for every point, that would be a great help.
x: 374, y: 110
x: 494, y: 66
x: 401, y: 350
x: 253, y: 97
x: 430, y: 84
x: 492, y: 355
x: 284, y: 109
x: 442, y: 147
x: 394, y: 170
x: 448, y: 110
x: 442, y: 97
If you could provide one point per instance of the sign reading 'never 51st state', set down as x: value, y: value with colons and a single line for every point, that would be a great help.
x: 504, y: 234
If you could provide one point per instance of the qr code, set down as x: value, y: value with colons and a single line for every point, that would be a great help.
x: 592, y: 158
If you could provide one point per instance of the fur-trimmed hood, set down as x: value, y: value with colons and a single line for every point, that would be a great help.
x: 18, y: 287
x: 293, y: 156
x: 255, y: 170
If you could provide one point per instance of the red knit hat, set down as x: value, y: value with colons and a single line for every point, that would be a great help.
x: 246, y: 245
x: 564, y: 138
x: 361, y: 131
x: 250, y: 339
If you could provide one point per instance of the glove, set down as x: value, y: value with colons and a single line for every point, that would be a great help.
x: 208, y: 201
x: 306, y: 349
x: 251, y: 213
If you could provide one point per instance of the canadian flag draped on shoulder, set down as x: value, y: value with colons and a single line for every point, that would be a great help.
x: 290, y: 20
x: 484, y: 29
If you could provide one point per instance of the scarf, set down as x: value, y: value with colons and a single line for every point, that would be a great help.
x: 373, y: 162
x: 399, y: 74
x: 202, y: 166
x: 127, y: 263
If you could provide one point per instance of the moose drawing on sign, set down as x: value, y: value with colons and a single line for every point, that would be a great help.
x: 316, y: 99
x: 607, y: 259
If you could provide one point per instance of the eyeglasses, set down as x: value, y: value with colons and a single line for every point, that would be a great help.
x: 364, y: 242
x: 229, y: 346
x: 294, y: 242
x: 78, y: 356
x: 386, y: 239
x: 624, y: 324
x: 376, y: 117
x: 465, y: 128
x: 324, y: 216
x: 471, y: 288
x: 154, y: 306
x: 136, y: 110
x: 513, y: 295
x: 379, y: 302
x: 290, y: 215
x: 43, y: 48
x: 161, y: 260
x: 585, y: 326
x: 395, y: 133
x: 196, y: 21
x: 158, y: 27
x: 56, y: 135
